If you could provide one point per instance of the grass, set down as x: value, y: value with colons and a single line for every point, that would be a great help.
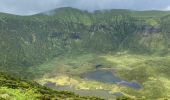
x: 67, y: 64
x: 16, y: 94
x: 17, y: 89
x: 66, y: 70
x: 148, y: 70
x: 78, y: 83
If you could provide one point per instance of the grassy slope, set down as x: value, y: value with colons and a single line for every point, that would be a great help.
x: 31, y: 40
x: 17, y: 89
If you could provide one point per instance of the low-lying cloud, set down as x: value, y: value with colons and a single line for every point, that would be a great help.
x: 167, y: 8
x: 28, y: 7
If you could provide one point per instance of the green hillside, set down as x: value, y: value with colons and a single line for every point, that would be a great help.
x: 30, y: 40
x: 17, y: 89
x: 71, y: 42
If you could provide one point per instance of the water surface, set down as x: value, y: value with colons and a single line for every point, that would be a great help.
x: 108, y: 77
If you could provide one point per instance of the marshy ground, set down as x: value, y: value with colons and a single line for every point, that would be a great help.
x: 67, y: 71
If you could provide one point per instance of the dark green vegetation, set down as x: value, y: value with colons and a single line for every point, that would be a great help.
x: 31, y: 46
x: 18, y: 89
x: 31, y: 40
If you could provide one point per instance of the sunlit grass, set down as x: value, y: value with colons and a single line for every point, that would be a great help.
x: 16, y: 94
x: 79, y: 83
x: 147, y: 70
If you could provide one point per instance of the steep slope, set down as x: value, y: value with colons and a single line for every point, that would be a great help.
x: 31, y: 40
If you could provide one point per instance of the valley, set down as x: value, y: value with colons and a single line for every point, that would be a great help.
x: 107, y: 54
x: 141, y: 72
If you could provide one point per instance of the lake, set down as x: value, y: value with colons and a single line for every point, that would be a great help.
x: 108, y: 77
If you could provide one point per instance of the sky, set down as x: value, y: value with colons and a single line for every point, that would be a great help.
x: 29, y: 7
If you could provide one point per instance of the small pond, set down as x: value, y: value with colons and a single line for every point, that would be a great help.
x: 108, y: 77
x: 102, y: 76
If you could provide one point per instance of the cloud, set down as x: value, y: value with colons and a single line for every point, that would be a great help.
x: 167, y: 8
x: 28, y: 7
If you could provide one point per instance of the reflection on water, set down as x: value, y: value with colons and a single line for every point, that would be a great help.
x: 98, y: 93
x: 109, y: 77
x: 130, y: 84
x: 118, y: 94
x: 97, y: 75
x: 102, y: 76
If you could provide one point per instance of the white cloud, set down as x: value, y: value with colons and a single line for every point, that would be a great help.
x: 167, y: 8
x: 27, y: 7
